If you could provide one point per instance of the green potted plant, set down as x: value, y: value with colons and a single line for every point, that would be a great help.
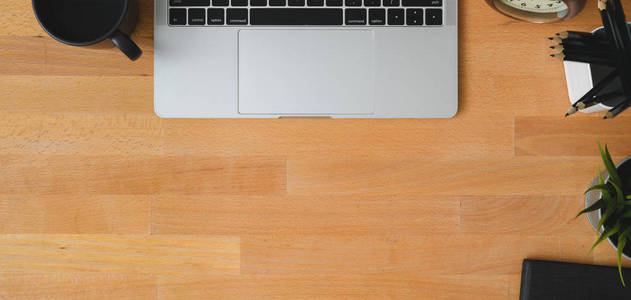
x: 608, y: 205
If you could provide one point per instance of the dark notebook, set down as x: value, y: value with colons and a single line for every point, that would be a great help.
x: 548, y: 280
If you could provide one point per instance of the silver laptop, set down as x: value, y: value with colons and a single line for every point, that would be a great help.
x: 306, y: 58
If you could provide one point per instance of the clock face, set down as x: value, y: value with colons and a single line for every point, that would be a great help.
x: 537, y: 6
x: 535, y: 11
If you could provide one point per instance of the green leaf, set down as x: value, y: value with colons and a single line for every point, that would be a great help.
x: 596, y: 206
x: 622, y: 242
x: 601, y: 180
x: 610, y: 207
x: 607, y: 233
x: 619, y: 197
x: 628, y: 197
x: 599, y: 187
x: 609, y: 165
x: 608, y: 212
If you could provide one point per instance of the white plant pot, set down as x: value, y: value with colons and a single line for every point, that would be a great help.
x: 593, y: 196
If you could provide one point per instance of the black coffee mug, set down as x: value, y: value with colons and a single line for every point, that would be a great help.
x: 90, y: 22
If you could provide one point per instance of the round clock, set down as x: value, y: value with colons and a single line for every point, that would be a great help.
x: 538, y: 11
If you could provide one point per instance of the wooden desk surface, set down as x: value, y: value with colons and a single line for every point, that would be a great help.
x: 100, y: 199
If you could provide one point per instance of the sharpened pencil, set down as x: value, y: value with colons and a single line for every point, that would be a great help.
x: 584, y: 59
x: 579, y: 35
x: 556, y: 40
x: 592, y: 45
x: 585, y: 52
x: 612, y: 113
x: 596, y: 45
x: 602, y: 84
x: 599, y: 100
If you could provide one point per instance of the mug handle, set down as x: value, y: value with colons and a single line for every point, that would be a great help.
x: 126, y: 45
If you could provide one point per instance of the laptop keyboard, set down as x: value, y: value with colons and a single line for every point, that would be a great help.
x: 305, y: 12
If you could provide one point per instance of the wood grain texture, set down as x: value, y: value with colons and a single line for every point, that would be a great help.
x: 458, y: 254
x: 41, y: 55
x: 529, y: 215
x: 72, y: 285
x: 141, y: 254
x: 75, y: 214
x: 462, y: 176
x: 354, y: 215
x: 574, y: 137
x: 388, y: 285
x: 27, y: 96
x: 100, y: 199
x: 69, y: 174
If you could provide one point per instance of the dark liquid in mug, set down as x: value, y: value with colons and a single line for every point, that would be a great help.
x: 80, y: 21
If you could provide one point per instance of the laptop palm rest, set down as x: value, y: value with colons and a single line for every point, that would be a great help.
x: 306, y: 72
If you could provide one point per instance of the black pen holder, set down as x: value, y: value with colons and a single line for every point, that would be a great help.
x: 582, y: 77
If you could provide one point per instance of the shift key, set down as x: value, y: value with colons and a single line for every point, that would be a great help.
x: 189, y: 2
x: 436, y: 3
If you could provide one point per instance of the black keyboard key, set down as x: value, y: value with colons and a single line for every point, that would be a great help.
x: 177, y: 16
x: 196, y: 16
x: 422, y: 2
x: 296, y: 16
x: 377, y: 16
x: 239, y: 2
x: 334, y: 2
x: 372, y: 2
x: 390, y: 2
x: 414, y: 16
x: 353, y: 2
x: 355, y: 16
x: 296, y: 2
x: 189, y: 2
x: 315, y: 2
x: 395, y: 16
x: 434, y: 16
x: 276, y: 2
x: 221, y: 2
x: 258, y: 2
x: 215, y: 16
x: 237, y: 16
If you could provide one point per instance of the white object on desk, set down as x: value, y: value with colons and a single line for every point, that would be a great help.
x: 579, y: 81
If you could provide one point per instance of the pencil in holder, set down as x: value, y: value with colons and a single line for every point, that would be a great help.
x: 598, y: 63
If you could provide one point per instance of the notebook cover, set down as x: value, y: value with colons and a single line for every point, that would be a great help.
x: 548, y: 280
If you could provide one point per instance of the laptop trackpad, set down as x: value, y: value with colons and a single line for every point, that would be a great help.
x: 311, y: 72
